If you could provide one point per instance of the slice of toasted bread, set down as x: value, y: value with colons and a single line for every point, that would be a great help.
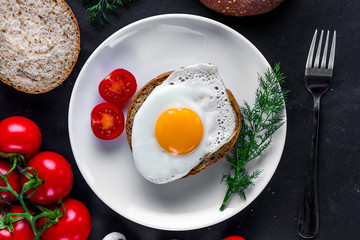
x: 210, y: 158
x: 40, y: 44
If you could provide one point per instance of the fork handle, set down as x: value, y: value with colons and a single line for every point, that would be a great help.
x: 308, y: 220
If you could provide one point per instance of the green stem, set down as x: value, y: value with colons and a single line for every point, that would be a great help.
x: 14, y: 160
x: 28, y: 215
x: 34, y: 180
x: 230, y: 191
x: 226, y: 199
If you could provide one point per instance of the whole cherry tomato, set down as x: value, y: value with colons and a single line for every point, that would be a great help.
x: 13, y: 180
x: 19, y: 135
x: 234, y: 238
x: 57, y: 174
x: 118, y: 86
x: 75, y: 224
x: 22, y: 228
x: 107, y: 121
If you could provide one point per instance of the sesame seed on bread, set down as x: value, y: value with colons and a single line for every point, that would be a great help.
x: 210, y: 158
x: 40, y: 44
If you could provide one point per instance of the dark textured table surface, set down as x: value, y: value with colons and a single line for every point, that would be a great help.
x: 282, y: 35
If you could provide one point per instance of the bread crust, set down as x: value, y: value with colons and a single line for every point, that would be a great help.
x: 65, y: 74
x: 240, y: 8
x: 212, y: 158
x: 77, y: 46
x: 208, y: 159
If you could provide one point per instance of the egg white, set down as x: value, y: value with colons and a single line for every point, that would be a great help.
x: 199, y: 88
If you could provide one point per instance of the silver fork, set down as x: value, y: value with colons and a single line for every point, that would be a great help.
x: 317, y: 82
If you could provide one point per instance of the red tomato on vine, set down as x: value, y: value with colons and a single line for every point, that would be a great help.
x: 56, y: 175
x: 19, y: 135
x: 75, y: 224
x: 22, y: 228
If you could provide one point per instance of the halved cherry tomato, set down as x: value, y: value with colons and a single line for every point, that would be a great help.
x: 19, y: 135
x: 13, y: 180
x: 57, y: 174
x: 75, y: 224
x: 107, y: 121
x: 118, y: 86
x: 234, y: 238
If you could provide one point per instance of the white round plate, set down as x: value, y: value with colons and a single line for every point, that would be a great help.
x: 148, y: 48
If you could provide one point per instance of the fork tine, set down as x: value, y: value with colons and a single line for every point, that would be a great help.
x: 332, y: 52
x: 323, y: 61
x: 311, y: 51
x: 317, y: 57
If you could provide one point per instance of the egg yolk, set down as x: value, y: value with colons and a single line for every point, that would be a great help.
x: 179, y: 130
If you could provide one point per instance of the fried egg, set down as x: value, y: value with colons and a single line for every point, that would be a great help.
x: 185, y: 118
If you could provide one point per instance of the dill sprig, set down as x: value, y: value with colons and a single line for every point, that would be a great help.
x: 258, y: 124
x: 99, y: 9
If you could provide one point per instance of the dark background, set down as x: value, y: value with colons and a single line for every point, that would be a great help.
x: 284, y: 36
